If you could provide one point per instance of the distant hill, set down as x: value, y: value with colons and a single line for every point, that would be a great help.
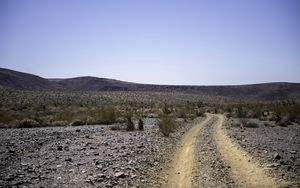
x: 265, y: 91
x: 20, y: 80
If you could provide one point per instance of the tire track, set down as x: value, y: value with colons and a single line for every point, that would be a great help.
x: 245, y: 171
x: 180, y: 173
x: 207, y: 157
x: 210, y: 170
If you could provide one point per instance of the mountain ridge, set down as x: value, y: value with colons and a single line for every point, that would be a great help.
x: 262, y: 91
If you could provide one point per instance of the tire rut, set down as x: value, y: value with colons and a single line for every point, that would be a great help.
x: 180, y: 173
x: 245, y: 171
x: 210, y: 170
x: 209, y: 158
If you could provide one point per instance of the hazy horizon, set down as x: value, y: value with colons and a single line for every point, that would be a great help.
x: 154, y: 42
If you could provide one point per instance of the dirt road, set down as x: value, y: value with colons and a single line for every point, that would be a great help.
x: 245, y: 171
x: 180, y: 174
x: 207, y: 157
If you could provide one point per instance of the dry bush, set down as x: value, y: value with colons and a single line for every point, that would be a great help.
x: 141, y: 125
x: 107, y: 115
x: 252, y: 124
x: 167, y: 125
x: 78, y: 123
x: 27, y: 123
x: 286, y: 120
x: 116, y: 127
x: 59, y: 123
x: 129, y: 125
x: 3, y: 126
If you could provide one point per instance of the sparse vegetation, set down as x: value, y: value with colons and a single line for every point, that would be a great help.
x: 61, y: 108
x: 282, y: 113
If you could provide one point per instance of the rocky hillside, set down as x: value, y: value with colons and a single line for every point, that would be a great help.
x: 265, y: 91
x: 20, y: 80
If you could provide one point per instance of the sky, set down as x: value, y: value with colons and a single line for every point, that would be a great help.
x: 186, y: 42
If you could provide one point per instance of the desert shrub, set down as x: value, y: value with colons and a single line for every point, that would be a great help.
x: 199, y: 112
x: 2, y: 125
x: 236, y: 125
x: 107, y: 115
x: 78, y: 123
x: 181, y: 113
x: 121, y: 120
x: 152, y: 115
x: 283, y: 123
x: 115, y: 127
x: 167, y: 125
x: 187, y: 111
x: 59, y: 123
x: 141, y: 125
x: 65, y: 115
x: 272, y: 117
x: 91, y: 120
x: 27, y: 123
x: 243, y: 121
x: 269, y: 124
x: 241, y: 113
x: 6, y: 116
x: 252, y: 124
x: 286, y: 120
x: 166, y: 109
x: 129, y: 125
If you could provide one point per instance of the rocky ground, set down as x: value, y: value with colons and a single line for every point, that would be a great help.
x: 96, y: 156
x: 84, y: 156
x: 277, y: 148
x: 210, y: 170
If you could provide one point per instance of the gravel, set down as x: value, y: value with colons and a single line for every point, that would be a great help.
x: 276, y: 148
x: 210, y: 170
x: 85, y: 156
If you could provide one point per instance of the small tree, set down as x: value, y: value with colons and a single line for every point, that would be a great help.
x: 141, y: 125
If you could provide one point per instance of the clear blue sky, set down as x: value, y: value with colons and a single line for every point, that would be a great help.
x: 201, y: 42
